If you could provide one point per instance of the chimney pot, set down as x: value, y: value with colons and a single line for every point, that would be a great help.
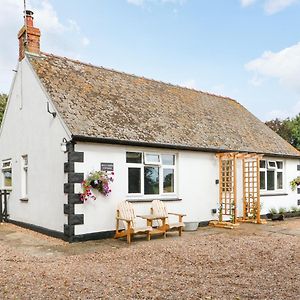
x: 29, y: 18
x: 29, y: 36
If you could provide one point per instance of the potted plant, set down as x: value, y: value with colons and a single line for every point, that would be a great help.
x: 294, y: 183
x: 276, y: 216
x: 97, y: 180
x: 293, y: 212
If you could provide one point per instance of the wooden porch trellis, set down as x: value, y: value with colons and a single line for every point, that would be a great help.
x: 251, y: 188
x: 228, y: 189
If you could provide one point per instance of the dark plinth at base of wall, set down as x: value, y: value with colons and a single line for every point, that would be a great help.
x: 81, y: 237
x: 92, y: 236
x: 43, y: 230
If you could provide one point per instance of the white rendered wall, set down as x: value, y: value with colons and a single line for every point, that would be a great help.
x: 28, y: 129
x: 196, y: 175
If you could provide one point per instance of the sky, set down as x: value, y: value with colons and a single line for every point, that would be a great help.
x: 248, y: 50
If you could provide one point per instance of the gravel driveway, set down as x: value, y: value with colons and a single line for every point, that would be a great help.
x: 251, y: 262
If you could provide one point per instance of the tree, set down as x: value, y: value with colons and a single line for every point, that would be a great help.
x: 3, y: 101
x: 288, y: 129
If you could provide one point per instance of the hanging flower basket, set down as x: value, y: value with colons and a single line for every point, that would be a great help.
x: 97, y: 180
x: 294, y: 183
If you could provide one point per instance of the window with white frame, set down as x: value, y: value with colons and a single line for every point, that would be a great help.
x: 271, y: 175
x: 24, y: 181
x: 7, y: 174
x: 151, y: 173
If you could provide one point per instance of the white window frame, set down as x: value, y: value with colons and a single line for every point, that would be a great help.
x: 269, y: 165
x: 6, y: 168
x: 276, y: 171
x: 151, y: 164
x: 146, y: 162
x: 24, y: 176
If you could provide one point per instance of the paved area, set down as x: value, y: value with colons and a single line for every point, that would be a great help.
x: 250, y: 262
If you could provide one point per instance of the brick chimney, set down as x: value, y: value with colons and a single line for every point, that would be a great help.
x: 29, y: 37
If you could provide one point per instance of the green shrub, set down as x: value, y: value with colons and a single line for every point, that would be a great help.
x: 282, y: 210
x: 273, y: 211
x: 294, y: 209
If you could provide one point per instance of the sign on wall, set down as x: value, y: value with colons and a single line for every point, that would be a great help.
x: 107, y: 167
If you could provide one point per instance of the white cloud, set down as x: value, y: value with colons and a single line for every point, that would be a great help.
x: 246, y: 3
x: 283, y: 113
x: 274, y: 6
x: 270, y: 6
x: 283, y: 65
x: 63, y: 38
x: 136, y: 2
x: 142, y: 2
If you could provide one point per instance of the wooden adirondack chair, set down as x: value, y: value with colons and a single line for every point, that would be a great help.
x: 126, y: 214
x: 158, y: 208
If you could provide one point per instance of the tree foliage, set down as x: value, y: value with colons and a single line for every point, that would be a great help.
x: 3, y: 101
x: 289, y: 129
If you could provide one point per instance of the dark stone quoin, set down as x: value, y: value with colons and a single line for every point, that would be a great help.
x: 73, y: 198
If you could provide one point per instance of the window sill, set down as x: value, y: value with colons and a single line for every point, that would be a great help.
x: 274, y: 194
x: 24, y: 199
x: 141, y: 200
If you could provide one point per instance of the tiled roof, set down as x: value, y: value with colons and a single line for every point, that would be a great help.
x: 102, y: 103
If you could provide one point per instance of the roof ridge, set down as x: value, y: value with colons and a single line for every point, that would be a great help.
x: 137, y: 76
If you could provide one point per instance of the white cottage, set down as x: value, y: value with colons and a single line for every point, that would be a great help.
x: 160, y: 141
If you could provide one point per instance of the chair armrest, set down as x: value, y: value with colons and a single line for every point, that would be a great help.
x: 122, y: 219
x: 176, y: 214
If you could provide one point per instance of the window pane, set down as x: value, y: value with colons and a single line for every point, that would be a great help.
x: 279, y: 180
x: 168, y: 159
x: 168, y: 180
x: 262, y: 180
x: 134, y: 157
x: 272, y: 164
x: 152, y: 158
x: 7, y: 178
x: 279, y: 164
x: 151, y: 180
x: 134, y: 180
x: 262, y: 164
x: 270, y: 180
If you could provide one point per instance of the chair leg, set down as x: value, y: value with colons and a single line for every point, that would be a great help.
x: 128, y: 233
x: 148, y: 236
x: 180, y: 231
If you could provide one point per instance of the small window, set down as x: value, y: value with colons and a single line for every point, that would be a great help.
x: 134, y: 180
x: 262, y: 164
x: 24, y: 176
x: 168, y: 159
x: 134, y: 157
x: 7, y: 174
x: 151, y: 173
x: 151, y: 180
x: 271, y: 164
x: 262, y: 180
x: 270, y: 180
x: 279, y: 164
x: 152, y: 159
x: 279, y: 180
x: 168, y: 180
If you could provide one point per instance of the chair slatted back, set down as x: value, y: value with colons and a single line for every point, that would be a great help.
x: 159, y: 209
x: 126, y: 211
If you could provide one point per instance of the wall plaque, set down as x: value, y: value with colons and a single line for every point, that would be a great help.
x: 107, y: 167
